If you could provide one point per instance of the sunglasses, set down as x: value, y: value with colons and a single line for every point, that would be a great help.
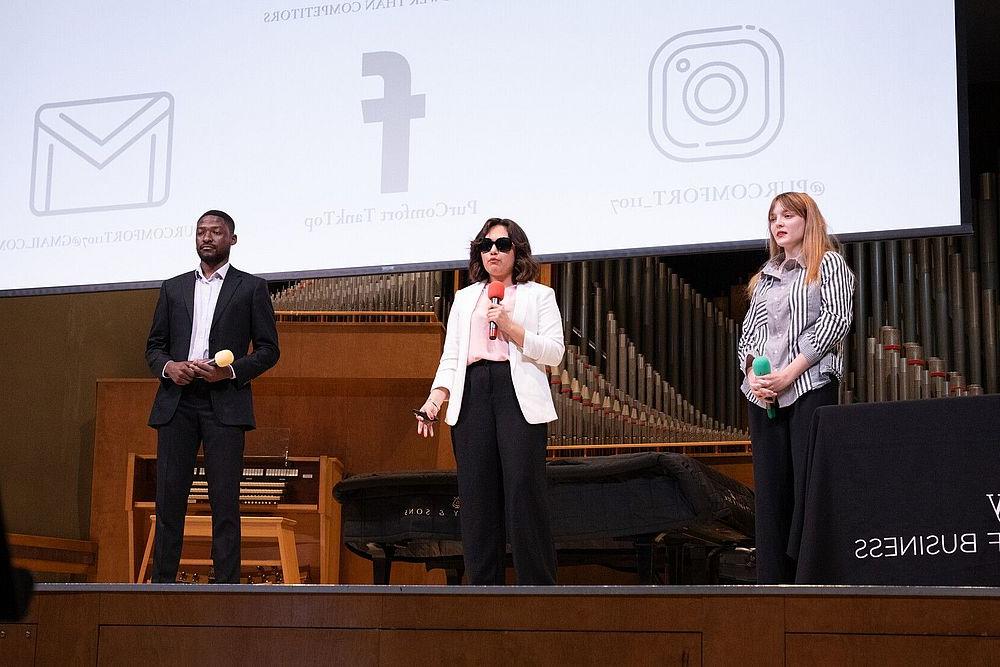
x: 503, y: 244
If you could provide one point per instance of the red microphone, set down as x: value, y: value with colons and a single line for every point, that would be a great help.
x: 495, y: 293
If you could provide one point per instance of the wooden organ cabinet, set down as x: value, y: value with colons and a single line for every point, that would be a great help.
x: 298, y: 489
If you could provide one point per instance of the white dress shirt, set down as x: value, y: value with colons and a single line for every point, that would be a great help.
x: 206, y: 296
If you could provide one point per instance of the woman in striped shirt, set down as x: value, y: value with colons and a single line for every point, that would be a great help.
x: 801, y: 305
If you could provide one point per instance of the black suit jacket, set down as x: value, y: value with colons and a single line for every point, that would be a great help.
x: 243, y: 314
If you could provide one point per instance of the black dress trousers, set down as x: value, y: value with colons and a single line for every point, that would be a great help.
x: 193, y: 424
x: 501, y: 482
x: 779, y: 467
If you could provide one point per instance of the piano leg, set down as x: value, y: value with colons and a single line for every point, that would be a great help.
x: 382, y: 567
x: 713, y: 563
x: 644, y: 560
x: 696, y: 562
x: 675, y: 564
x: 453, y: 575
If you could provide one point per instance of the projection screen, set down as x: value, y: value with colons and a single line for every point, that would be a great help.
x: 377, y: 135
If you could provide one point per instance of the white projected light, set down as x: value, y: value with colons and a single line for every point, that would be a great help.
x: 378, y: 135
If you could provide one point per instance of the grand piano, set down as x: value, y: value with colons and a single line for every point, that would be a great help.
x: 665, y: 516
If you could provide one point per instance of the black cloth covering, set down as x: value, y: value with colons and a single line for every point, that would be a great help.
x: 593, y: 501
x: 902, y: 493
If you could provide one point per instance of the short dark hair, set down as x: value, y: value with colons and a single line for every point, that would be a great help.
x: 228, y: 219
x: 526, y: 267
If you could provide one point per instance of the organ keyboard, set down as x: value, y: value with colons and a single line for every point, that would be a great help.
x: 258, y: 486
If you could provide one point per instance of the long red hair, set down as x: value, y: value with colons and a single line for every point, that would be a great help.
x: 816, y: 240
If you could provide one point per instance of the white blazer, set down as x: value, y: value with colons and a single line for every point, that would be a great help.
x: 535, y: 309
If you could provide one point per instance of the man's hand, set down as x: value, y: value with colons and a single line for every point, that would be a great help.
x: 209, y: 373
x: 181, y: 372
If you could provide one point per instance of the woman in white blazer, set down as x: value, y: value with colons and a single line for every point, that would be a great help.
x: 499, y: 406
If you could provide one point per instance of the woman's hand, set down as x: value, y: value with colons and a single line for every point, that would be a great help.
x: 757, y: 387
x: 498, y: 314
x: 776, y: 382
x: 511, y: 330
x: 431, y: 408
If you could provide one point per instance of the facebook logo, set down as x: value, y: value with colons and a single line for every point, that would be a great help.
x: 394, y: 110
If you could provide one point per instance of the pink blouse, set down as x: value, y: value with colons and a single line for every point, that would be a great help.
x: 480, y: 345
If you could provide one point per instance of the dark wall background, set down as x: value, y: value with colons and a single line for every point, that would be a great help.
x: 983, y: 60
x: 52, y: 351
x: 54, y: 348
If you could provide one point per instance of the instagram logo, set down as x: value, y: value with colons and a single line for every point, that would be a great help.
x: 717, y: 93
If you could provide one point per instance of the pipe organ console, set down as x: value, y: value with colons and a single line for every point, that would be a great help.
x: 295, y: 488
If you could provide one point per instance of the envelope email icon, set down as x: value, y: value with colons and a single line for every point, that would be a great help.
x: 102, y: 154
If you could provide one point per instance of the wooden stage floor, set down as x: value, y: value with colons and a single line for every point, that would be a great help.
x: 567, y: 625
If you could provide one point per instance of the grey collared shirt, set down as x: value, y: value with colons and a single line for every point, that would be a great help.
x: 788, y: 317
x: 779, y: 312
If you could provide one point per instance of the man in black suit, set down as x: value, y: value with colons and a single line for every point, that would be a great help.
x: 212, y: 308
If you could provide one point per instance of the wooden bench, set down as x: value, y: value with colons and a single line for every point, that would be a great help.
x: 276, y: 528
x: 52, y: 554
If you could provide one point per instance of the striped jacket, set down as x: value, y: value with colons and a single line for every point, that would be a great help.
x: 797, y: 318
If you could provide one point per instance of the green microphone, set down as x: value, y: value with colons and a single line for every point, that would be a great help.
x: 762, y: 366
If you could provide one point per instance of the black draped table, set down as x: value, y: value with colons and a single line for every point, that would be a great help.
x: 904, y: 493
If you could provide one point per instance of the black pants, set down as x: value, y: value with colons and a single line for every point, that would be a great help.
x: 779, y: 461
x: 193, y: 424
x: 501, y: 482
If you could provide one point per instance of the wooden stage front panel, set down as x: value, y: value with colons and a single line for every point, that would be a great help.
x: 371, y: 625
